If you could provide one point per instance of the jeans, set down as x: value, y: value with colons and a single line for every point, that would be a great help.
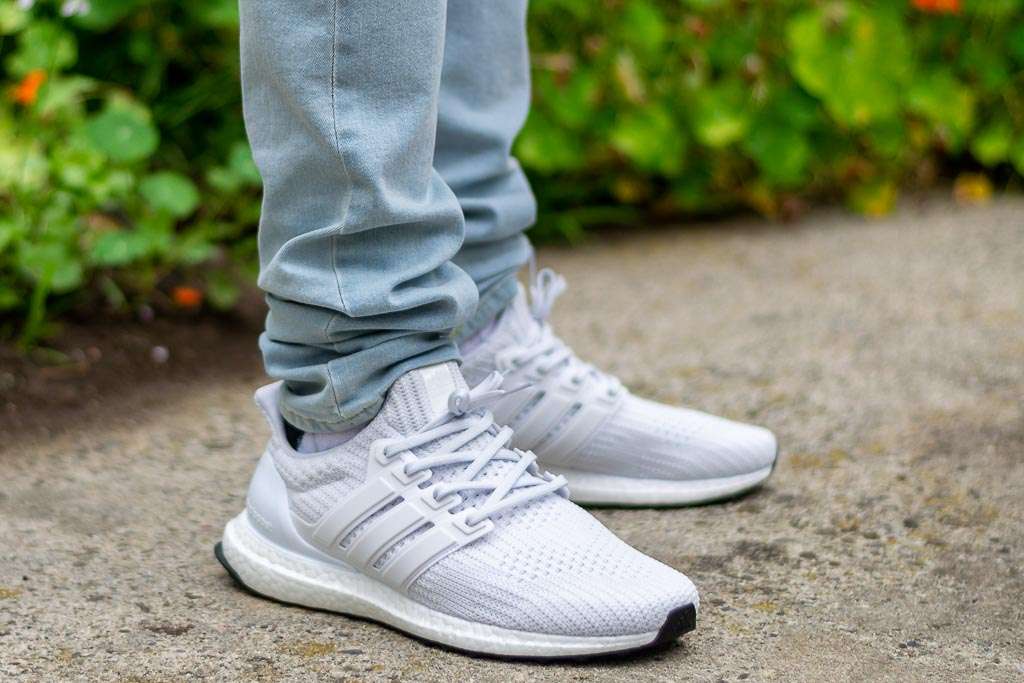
x: 393, y: 212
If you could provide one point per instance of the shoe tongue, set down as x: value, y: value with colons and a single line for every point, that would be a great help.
x: 421, y: 396
x: 517, y: 322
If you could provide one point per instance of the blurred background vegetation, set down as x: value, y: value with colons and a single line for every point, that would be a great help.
x: 126, y: 181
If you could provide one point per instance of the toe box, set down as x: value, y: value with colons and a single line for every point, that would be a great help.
x: 652, y: 440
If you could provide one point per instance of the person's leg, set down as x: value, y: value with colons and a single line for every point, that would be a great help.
x: 420, y: 518
x: 485, y: 96
x: 358, y: 230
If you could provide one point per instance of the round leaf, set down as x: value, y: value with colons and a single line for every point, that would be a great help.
x: 170, y: 192
x: 122, y: 134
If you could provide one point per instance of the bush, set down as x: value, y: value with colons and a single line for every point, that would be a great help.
x: 125, y: 177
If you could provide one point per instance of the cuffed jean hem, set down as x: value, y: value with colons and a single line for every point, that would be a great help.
x: 365, y: 413
x: 492, y: 302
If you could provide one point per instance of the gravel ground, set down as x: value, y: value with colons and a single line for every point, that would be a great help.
x: 888, y: 356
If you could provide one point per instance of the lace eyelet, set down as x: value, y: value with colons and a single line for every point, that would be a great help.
x: 381, y: 452
x: 447, y: 501
x: 458, y: 402
x: 462, y: 520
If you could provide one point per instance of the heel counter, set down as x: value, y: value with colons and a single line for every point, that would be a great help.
x: 266, y: 506
x: 267, y: 499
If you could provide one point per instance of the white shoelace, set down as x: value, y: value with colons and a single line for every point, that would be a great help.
x: 549, y: 353
x: 467, y: 418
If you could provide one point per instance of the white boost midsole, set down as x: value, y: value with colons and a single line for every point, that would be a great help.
x: 273, y: 571
x: 607, y: 489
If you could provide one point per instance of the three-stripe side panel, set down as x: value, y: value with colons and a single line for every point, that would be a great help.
x: 417, y: 528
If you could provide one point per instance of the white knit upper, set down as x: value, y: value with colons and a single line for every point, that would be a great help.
x: 547, y: 566
x: 636, y: 438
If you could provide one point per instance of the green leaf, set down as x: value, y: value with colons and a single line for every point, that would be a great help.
x: 945, y: 102
x: 855, y: 58
x: 119, y: 247
x: 9, y: 297
x: 216, y: 13
x: 122, y: 133
x: 63, y: 94
x: 12, y: 17
x: 722, y: 115
x: 193, y: 247
x: 546, y: 148
x: 115, y: 297
x: 1017, y: 156
x: 643, y: 27
x: 1015, y: 42
x: 221, y: 290
x: 10, y: 232
x: 573, y: 103
x: 43, y: 45
x: 151, y: 237
x: 992, y: 145
x: 782, y: 153
x: 170, y: 192
x: 51, y: 265
x: 103, y: 14
x: 650, y: 139
x: 241, y: 163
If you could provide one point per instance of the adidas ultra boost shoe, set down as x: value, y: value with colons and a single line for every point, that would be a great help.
x: 427, y: 521
x: 612, y: 447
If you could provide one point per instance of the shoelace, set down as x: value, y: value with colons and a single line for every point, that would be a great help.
x: 467, y: 418
x: 547, y: 351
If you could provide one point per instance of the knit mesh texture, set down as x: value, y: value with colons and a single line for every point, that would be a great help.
x: 642, y: 439
x: 317, y: 481
x: 550, y: 567
x: 652, y: 440
x: 547, y: 567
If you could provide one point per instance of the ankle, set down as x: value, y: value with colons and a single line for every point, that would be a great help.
x: 315, y: 442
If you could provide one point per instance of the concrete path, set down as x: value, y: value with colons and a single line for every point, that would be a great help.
x: 888, y: 356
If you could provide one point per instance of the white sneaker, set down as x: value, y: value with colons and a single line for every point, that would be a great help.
x: 424, y: 521
x: 614, y: 448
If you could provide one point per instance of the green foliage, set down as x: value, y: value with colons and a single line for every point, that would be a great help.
x: 700, y: 106
x: 124, y: 170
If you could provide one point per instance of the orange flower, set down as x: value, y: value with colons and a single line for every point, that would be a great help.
x: 938, y: 6
x: 27, y: 91
x: 187, y: 297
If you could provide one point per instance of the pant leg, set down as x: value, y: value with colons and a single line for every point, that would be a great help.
x: 357, y: 230
x: 485, y: 96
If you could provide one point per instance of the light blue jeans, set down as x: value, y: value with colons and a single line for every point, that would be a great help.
x: 393, y: 212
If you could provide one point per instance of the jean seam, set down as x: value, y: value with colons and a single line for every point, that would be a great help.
x: 330, y: 374
x: 341, y: 156
x: 348, y: 185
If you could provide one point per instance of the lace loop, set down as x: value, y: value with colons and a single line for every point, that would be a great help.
x: 467, y: 419
x: 547, y: 352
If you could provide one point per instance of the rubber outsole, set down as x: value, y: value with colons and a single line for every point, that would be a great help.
x: 679, y: 621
